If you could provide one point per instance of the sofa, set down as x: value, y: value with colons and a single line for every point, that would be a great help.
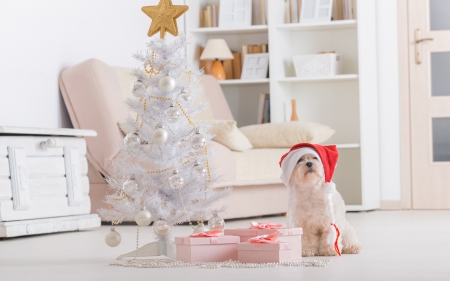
x: 94, y: 95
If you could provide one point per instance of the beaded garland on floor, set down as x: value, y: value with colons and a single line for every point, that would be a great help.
x: 165, y: 263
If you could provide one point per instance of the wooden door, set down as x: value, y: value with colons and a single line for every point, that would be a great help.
x: 429, y: 62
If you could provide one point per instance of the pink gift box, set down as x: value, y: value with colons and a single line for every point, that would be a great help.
x: 207, y: 249
x: 293, y: 236
x: 263, y: 253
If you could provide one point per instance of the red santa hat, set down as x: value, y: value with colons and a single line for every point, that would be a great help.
x: 328, y: 155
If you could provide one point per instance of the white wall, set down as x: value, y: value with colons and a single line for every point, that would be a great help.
x: 38, y: 39
x: 388, y: 90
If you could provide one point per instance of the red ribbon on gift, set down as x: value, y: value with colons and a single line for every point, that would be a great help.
x: 266, y: 225
x: 265, y: 239
x: 209, y: 233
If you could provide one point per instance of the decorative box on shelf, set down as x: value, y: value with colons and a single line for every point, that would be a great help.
x: 263, y: 253
x: 207, y: 249
x: 292, y: 236
x: 44, y: 186
x: 318, y: 65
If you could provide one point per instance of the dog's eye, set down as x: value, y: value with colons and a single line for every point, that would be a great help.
x: 300, y: 160
x: 315, y: 158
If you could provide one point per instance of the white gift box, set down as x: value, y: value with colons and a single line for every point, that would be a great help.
x: 318, y: 65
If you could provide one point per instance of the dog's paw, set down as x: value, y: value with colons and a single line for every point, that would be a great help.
x: 352, y: 249
x: 328, y: 251
x: 308, y: 253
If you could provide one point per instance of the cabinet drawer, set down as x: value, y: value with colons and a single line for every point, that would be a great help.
x: 33, y: 148
x: 44, y: 208
x: 52, y: 186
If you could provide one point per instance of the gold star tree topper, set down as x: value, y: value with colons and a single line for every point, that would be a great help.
x: 164, y: 17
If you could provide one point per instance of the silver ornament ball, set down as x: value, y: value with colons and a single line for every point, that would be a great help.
x: 160, y: 227
x: 185, y: 96
x: 198, y: 141
x: 199, y: 171
x: 160, y: 136
x: 172, y: 114
x: 216, y: 222
x: 167, y: 84
x: 130, y: 187
x: 138, y: 88
x: 113, y: 238
x: 143, y: 217
x: 132, y: 141
x: 201, y: 227
x: 176, y: 181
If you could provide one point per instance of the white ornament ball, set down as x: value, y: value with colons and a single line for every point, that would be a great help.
x: 160, y: 136
x: 130, y: 187
x: 166, y: 84
x: 198, y: 141
x: 172, y: 114
x: 132, y: 141
x: 160, y: 227
x: 216, y: 222
x: 143, y: 217
x: 199, y: 171
x: 138, y: 88
x: 201, y: 227
x: 113, y: 238
x: 176, y: 181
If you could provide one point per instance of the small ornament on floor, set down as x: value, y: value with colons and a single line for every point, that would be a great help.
x: 113, y: 238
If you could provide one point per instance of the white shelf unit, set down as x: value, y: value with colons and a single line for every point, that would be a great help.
x: 348, y: 103
x: 242, y: 95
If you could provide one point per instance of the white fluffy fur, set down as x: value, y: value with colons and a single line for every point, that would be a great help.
x: 308, y: 209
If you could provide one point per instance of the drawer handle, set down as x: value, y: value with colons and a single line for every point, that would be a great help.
x: 51, y: 143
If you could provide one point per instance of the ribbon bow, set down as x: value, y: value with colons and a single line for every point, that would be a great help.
x: 266, y: 225
x: 265, y: 239
x: 209, y: 233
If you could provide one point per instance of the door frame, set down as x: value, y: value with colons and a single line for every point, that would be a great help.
x: 405, y: 103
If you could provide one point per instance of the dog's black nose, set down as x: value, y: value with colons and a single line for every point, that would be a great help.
x: 309, y: 164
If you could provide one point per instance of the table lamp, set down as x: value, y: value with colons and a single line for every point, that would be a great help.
x: 217, y: 50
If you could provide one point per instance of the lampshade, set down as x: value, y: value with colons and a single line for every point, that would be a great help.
x: 216, y: 49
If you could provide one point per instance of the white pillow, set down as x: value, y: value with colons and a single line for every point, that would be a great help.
x: 287, y: 134
x: 227, y: 133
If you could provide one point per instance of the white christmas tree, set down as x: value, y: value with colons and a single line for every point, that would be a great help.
x: 164, y: 175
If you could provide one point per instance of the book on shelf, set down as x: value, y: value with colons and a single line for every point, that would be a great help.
x: 263, y: 109
x: 341, y: 10
x: 237, y: 66
x: 209, y: 17
x: 259, y: 12
x: 228, y: 66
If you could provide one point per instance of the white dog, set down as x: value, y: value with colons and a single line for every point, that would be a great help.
x: 316, y: 208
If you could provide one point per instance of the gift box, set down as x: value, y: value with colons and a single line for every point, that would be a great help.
x: 263, y: 253
x: 207, y: 249
x: 292, y: 236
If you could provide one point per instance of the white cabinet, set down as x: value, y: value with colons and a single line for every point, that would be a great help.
x: 43, y: 175
x: 348, y: 103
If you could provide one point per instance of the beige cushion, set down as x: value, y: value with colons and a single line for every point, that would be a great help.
x: 227, y: 133
x: 287, y: 134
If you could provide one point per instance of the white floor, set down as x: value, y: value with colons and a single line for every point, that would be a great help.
x: 397, y: 245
